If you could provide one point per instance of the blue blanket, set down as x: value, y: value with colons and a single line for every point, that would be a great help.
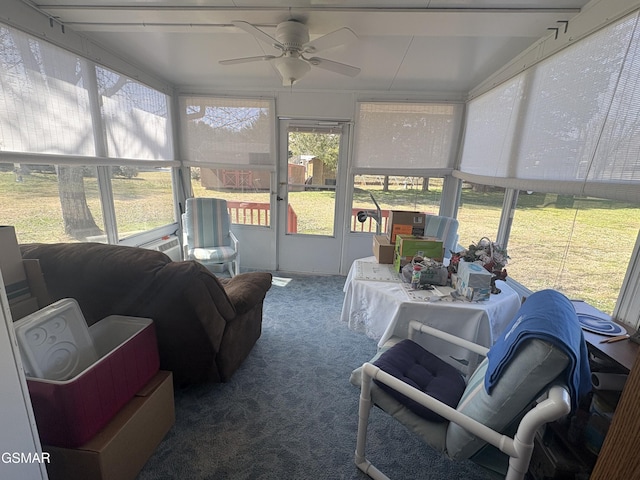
x: 550, y: 316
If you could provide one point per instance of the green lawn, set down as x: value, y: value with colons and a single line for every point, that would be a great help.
x: 33, y: 204
x: 596, y: 236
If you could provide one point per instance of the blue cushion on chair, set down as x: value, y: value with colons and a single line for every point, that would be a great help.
x: 415, y: 366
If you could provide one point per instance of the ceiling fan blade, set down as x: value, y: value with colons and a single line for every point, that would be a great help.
x: 330, y: 40
x: 341, y: 68
x: 259, y: 34
x: 234, y: 61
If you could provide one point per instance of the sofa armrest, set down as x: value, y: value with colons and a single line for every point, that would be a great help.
x: 246, y: 290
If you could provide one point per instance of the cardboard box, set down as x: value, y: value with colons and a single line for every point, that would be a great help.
x: 13, y: 273
x: 23, y: 280
x: 473, y: 294
x: 473, y: 281
x: 38, y: 294
x: 405, y: 223
x: 410, y: 245
x: 22, y: 308
x: 121, y: 449
x: 407, y: 246
x: 473, y: 274
x: 383, y: 249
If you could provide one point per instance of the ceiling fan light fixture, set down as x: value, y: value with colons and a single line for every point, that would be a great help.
x: 291, y: 69
x: 292, y: 39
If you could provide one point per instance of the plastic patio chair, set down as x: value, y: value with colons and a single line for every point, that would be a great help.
x: 535, y: 372
x: 207, y: 235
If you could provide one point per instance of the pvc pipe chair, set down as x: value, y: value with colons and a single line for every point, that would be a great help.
x: 207, y: 236
x: 530, y: 393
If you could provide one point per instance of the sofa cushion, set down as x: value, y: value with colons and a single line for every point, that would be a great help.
x: 104, y: 279
x: 246, y: 290
x: 419, y: 368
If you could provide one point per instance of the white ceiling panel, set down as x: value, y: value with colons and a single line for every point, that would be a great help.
x: 439, y: 46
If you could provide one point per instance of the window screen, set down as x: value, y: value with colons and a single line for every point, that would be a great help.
x: 570, y: 124
x: 407, y: 136
x: 227, y: 132
x: 136, y: 118
x: 44, y: 102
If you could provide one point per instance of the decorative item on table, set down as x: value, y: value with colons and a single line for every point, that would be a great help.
x: 601, y: 325
x: 422, y: 272
x: 415, y: 276
x: 492, y: 256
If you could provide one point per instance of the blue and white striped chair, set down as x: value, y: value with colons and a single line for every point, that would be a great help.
x: 207, y: 235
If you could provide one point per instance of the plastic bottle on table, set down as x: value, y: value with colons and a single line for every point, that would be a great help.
x: 415, y: 277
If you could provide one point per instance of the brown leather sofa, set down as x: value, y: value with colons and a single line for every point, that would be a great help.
x: 206, y: 326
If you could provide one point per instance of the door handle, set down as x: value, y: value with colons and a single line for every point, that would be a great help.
x: 279, y: 198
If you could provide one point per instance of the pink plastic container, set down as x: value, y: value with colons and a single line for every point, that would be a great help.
x: 70, y: 412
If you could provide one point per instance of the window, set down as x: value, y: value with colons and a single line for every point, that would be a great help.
x: 479, y: 213
x: 555, y: 129
x: 580, y: 246
x: 402, y: 152
x: 143, y: 199
x: 229, y: 145
x: 69, y: 122
x: 407, y: 136
x: 247, y: 192
x: 135, y: 117
x: 44, y: 97
x: 51, y: 204
x: 565, y: 132
x: 393, y: 192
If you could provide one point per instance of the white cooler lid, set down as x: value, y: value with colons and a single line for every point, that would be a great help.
x: 54, y: 342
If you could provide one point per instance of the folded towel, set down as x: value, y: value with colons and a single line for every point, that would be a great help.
x: 549, y: 316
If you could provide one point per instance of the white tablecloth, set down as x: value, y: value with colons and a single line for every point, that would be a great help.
x: 380, y: 305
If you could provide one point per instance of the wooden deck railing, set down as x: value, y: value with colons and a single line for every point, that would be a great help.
x: 369, y: 224
x: 258, y: 213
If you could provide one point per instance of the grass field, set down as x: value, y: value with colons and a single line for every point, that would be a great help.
x: 581, y: 247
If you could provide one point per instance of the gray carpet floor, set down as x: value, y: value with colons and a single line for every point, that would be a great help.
x: 290, y: 412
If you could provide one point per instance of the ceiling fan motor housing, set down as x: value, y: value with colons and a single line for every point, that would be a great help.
x: 292, y: 34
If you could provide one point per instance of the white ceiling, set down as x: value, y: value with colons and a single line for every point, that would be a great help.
x: 436, y: 46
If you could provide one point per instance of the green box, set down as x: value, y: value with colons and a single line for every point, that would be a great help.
x: 407, y: 246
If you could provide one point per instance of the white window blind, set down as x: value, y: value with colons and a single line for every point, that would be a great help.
x: 417, y: 138
x: 44, y: 103
x: 136, y: 118
x: 489, y: 138
x: 573, y: 127
x: 227, y: 132
x: 617, y: 156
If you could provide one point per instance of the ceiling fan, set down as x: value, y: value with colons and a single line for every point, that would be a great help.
x: 292, y: 39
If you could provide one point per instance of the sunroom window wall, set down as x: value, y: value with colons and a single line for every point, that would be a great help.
x: 69, y: 129
x: 569, y: 143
